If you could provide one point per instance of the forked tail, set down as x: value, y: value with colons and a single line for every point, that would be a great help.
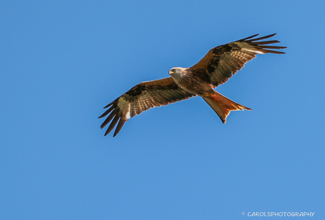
x: 222, y: 105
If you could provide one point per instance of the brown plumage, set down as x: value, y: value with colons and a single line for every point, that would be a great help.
x: 215, y: 68
x: 221, y: 62
x: 142, y: 97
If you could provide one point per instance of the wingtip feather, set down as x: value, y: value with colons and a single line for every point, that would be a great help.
x: 246, y: 38
x: 108, y: 119
x: 265, y: 37
x: 112, y: 125
x: 106, y: 112
x: 119, y: 126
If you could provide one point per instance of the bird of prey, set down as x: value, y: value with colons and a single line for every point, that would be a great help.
x: 214, y: 69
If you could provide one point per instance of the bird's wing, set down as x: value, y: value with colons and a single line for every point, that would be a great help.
x: 221, y: 62
x: 140, y: 98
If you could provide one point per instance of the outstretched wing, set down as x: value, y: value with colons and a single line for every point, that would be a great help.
x: 221, y: 62
x: 140, y: 98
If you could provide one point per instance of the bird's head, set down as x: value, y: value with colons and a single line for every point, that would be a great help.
x: 177, y: 72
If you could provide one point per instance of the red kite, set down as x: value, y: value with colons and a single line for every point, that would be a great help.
x: 218, y: 65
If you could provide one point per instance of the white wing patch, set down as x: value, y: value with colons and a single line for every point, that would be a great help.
x: 249, y: 48
x: 253, y: 50
x: 125, y: 107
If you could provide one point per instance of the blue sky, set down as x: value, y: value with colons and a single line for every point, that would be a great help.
x: 63, y: 61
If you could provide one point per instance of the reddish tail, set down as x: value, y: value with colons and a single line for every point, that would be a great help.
x: 222, y: 105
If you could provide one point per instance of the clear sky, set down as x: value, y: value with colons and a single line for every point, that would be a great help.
x: 61, y: 62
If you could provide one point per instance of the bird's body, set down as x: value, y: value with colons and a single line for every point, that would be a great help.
x: 185, y: 79
x: 218, y: 65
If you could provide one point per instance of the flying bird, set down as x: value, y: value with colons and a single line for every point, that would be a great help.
x: 214, y: 69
